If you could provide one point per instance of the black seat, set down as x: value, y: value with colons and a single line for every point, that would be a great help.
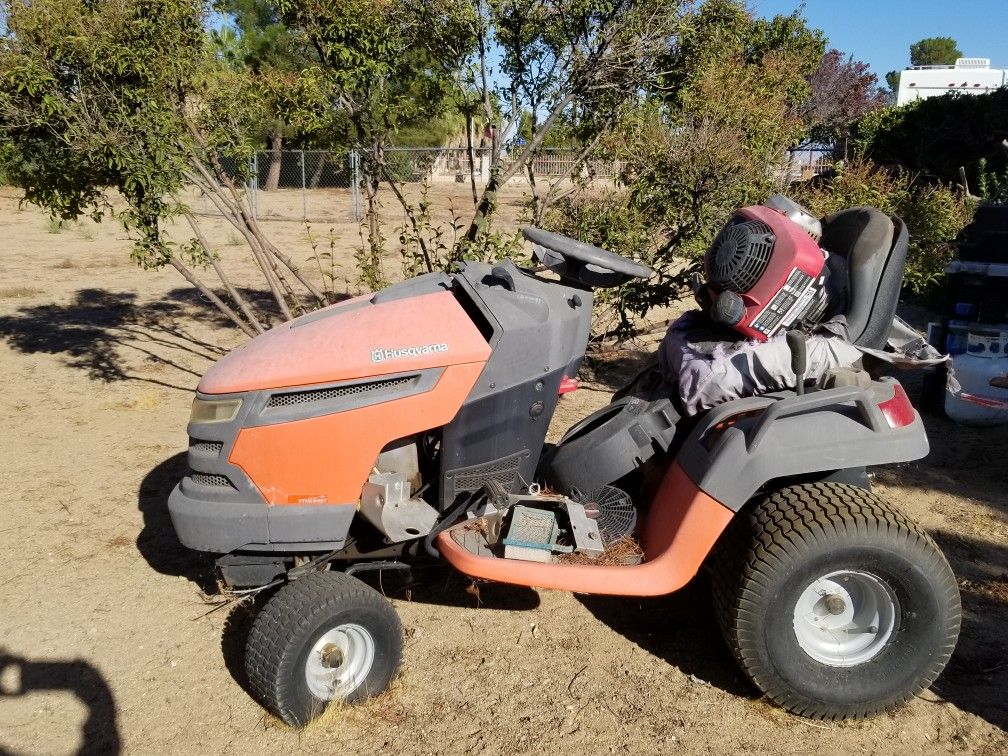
x: 874, y: 247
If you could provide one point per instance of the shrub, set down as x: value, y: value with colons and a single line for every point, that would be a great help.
x: 939, y: 135
x: 934, y: 213
x: 609, y: 219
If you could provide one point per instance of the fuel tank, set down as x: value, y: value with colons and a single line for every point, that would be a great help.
x: 413, y: 326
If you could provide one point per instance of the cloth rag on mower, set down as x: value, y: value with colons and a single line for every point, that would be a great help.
x: 708, y: 365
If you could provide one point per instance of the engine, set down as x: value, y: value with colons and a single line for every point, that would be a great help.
x: 765, y: 272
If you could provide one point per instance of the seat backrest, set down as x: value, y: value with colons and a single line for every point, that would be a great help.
x: 874, y: 246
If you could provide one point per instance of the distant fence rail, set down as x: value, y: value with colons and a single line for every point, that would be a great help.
x: 326, y: 184
x: 806, y: 161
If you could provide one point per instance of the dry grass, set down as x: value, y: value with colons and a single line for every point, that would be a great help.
x: 624, y: 552
x: 386, y: 707
x: 993, y: 590
x: 20, y: 292
x: 119, y: 542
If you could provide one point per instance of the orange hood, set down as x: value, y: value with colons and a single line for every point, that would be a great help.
x: 352, y: 339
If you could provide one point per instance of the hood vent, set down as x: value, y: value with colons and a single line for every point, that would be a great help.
x: 205, y: 447
x: 387, y: 385
x: 207, y: 479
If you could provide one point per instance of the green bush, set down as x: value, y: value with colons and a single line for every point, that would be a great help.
x: 992, y: 186
x: 939, y: 135
x: 609, y: 219
x: 933, y: 213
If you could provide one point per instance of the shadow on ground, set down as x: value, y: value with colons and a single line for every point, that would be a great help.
x: 102, y: 332
x: 156, y: 542
x: 679, y: 629
x: 976, y: 679
x: 24, y: 677
x: 965, y: 471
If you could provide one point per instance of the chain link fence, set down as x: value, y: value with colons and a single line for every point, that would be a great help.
x: 326, y: 185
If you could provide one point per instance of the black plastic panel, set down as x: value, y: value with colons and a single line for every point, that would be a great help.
x: 610, y: 443
x: 497, y: 428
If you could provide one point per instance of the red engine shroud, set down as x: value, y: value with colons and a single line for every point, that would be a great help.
x: 786, y: 285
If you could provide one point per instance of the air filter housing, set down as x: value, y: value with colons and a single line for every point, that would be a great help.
x: 765, y: 272
x: 739, y: 255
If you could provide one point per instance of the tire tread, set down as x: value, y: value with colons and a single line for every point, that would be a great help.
x: 290, y: 612
x: 774, y: 532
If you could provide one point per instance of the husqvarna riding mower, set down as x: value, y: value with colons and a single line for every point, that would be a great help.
x: 409, y: 425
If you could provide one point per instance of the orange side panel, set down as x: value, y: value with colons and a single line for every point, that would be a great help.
x: 682, y: 527
x: 352, y: 342
x: 327, y: 459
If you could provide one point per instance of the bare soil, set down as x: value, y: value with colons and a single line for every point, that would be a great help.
x: 108, y: 644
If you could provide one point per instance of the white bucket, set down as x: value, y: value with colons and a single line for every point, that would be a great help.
x: 982, y: 373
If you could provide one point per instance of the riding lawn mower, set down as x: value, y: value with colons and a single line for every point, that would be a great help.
x: 408, y: 426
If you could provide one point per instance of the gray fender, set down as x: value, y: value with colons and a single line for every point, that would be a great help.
x: 739, y: 446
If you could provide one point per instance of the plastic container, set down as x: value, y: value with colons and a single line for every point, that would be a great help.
x: 982, y: 373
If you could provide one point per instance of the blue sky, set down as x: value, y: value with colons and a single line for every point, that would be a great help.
x: 881, y: 32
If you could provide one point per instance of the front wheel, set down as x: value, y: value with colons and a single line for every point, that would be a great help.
x: 324, y: 637
x: 835, y: 604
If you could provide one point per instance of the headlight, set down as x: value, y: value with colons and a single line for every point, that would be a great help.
x: 214, y: 411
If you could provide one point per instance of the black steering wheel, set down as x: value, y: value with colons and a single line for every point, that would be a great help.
x: 583, y: 263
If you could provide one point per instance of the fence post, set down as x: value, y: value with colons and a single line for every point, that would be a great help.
x: 354, y: 160
x: 304, y: 193
x: 249, y: 186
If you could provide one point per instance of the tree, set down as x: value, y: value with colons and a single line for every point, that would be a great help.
x: 934, y: 51
x: 262, y: 45
x: 125, y: 96
x: 592, y: 57
x: 720, y: 116
x: 382, y: 64
x: 938, y: 135
x: 843, y: 90
x: 397, y: 62
x: 892, y: 80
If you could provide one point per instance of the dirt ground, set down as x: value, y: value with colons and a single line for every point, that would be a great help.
x: 108, y: 644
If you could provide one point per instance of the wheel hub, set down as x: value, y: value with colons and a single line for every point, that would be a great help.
x: 339, y: 661
x: 835, y: 603
x: 331, y: 656
x: 845, y: 618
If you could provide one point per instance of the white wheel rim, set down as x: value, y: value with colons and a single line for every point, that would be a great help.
x: 339, y: 661
x: 845, y: 618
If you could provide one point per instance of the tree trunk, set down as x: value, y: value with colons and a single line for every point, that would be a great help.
x: 498, y: 178
x: 471, y: 156
x: 371, y: 271
x: 276, y: 160
x: 231, y: 290
x: 323, y: 159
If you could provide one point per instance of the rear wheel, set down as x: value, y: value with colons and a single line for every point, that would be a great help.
x: 324, y: 637
x: 834, y: 603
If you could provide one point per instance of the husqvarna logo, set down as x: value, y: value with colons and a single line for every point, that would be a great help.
x: 381, y: 355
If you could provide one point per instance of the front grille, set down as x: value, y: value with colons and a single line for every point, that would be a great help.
x: 292, y: 398
x: 206, y: 479
x: 205, y: 447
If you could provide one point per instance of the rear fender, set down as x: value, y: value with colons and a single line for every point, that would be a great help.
x: 740, y: 446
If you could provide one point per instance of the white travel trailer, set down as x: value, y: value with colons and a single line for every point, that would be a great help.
x: 967, y: 76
